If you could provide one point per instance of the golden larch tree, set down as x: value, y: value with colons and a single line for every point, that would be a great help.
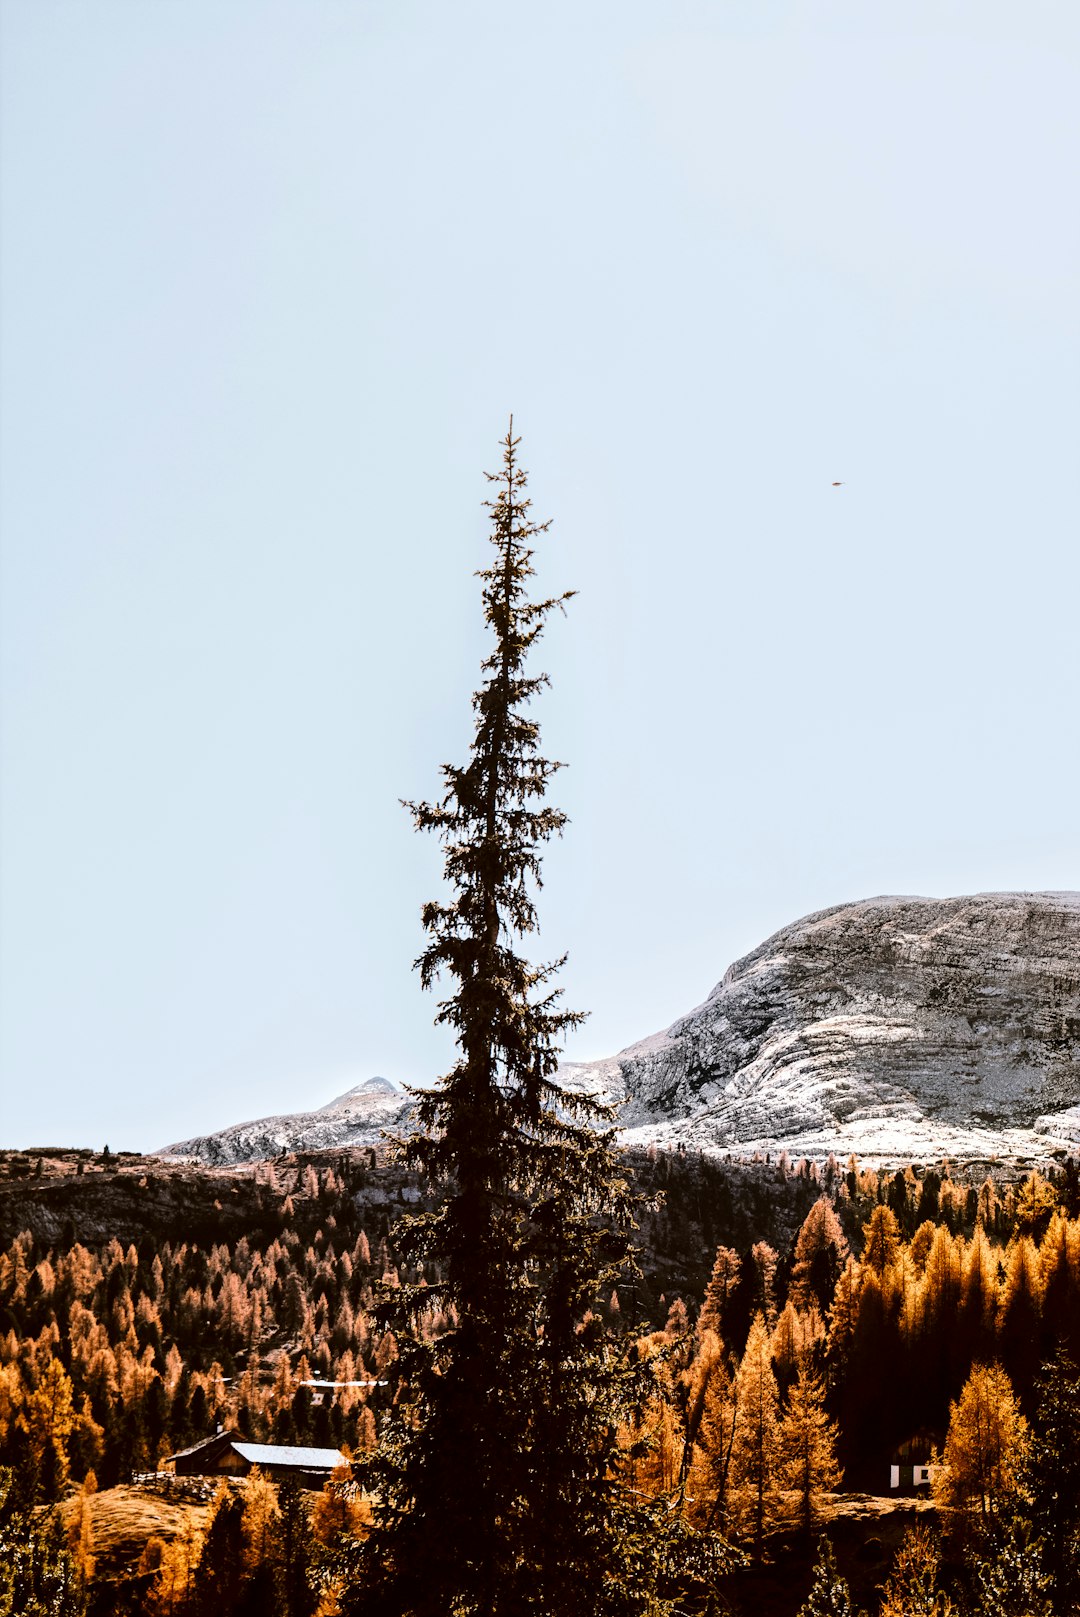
x: 756, y: 1458
x: 711, y: 1470
x: 722, y: 1282
x: 808, y: 1445
x: 821, y: 1250
x: 986, y: 1444
x: 842, y: 1319
x: 881, y: 1240
x: 912, y: 1587
x: 707, y: 1362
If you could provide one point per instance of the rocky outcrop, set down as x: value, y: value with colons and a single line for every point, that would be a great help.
x: 897, y: 1028
x: 358, y: 1117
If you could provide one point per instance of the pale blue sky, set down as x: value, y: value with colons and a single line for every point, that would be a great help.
x: 273, y: 276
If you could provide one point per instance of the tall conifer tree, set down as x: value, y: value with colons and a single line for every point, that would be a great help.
x: 808, y: 1441
x: 1050, y: 1478
x: 494, y: 1483
x: 756, y: 1456
x: 987, y: 1443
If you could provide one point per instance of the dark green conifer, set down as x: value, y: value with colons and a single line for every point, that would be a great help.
x: 829, y: 1594
x: 294, y: 1541
x: 1050, y: 1478
x: 219, y: 1578
x: 37, y: 1575
x: 1008, y: 1576
x: 495, y: 1480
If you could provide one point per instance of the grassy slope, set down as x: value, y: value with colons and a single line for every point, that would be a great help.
x: 865, y: 1530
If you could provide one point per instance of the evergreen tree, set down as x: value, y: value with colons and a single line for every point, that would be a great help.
x: 881, y: 1238
x: 1007, y: 1569
x: 722, y: 1283
x: 1019, y: 1318
x: 294, y: 1539
x: 941, y: 1293
x: 765, y: 1260
x: 1060, y: 1287
x: 821, y: 1250
x: 1050, y: 1478
x: 37, y: 1576
x: 1036, y: 1202
x: 706, y: 1369
x: 864, y: 1369
x: 49, y: 1418
x: 973, y: 1327
x: 829, y: 1594
x: 495, y: 1482
x: 221, y: 1573
x: 711, y: 1479
x: 843, y: 1317
x: 264, y: 1593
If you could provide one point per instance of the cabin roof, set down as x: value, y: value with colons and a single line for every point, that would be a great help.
x: 222, y: 1439
x: 283, y: 1454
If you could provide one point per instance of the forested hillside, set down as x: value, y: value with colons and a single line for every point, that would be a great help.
x: 852, y: 1306
x: 164, y: 1336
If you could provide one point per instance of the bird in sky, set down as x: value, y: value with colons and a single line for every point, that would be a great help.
x: 838, y: 485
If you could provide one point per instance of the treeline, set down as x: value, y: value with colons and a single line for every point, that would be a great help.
x: 708, y: 1201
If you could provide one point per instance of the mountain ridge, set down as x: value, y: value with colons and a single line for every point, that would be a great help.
x: 900, y: 1028
x: 357, y: 1117
x: 895, y: 1027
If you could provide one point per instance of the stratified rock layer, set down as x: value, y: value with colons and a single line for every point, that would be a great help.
x: 898, y: 1028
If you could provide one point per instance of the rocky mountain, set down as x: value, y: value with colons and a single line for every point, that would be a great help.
x: 903, y: 1029
x: 356, y: 1118
x: 898, y: 1028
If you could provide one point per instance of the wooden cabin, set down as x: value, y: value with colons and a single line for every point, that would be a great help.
x: 914, y: 1463
x: 229, y: 1454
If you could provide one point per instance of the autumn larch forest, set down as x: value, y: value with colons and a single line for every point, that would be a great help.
x: 558, y: 1377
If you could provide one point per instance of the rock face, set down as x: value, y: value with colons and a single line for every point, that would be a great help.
x: 903, y: 1029
x: 356, y: 1118
x: 898, y: 1028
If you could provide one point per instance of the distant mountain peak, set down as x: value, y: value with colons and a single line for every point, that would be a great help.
x: 360, y: 1116
x: 361, y: 1092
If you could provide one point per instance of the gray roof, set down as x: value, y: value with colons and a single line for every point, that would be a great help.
x: 283, y: 1454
